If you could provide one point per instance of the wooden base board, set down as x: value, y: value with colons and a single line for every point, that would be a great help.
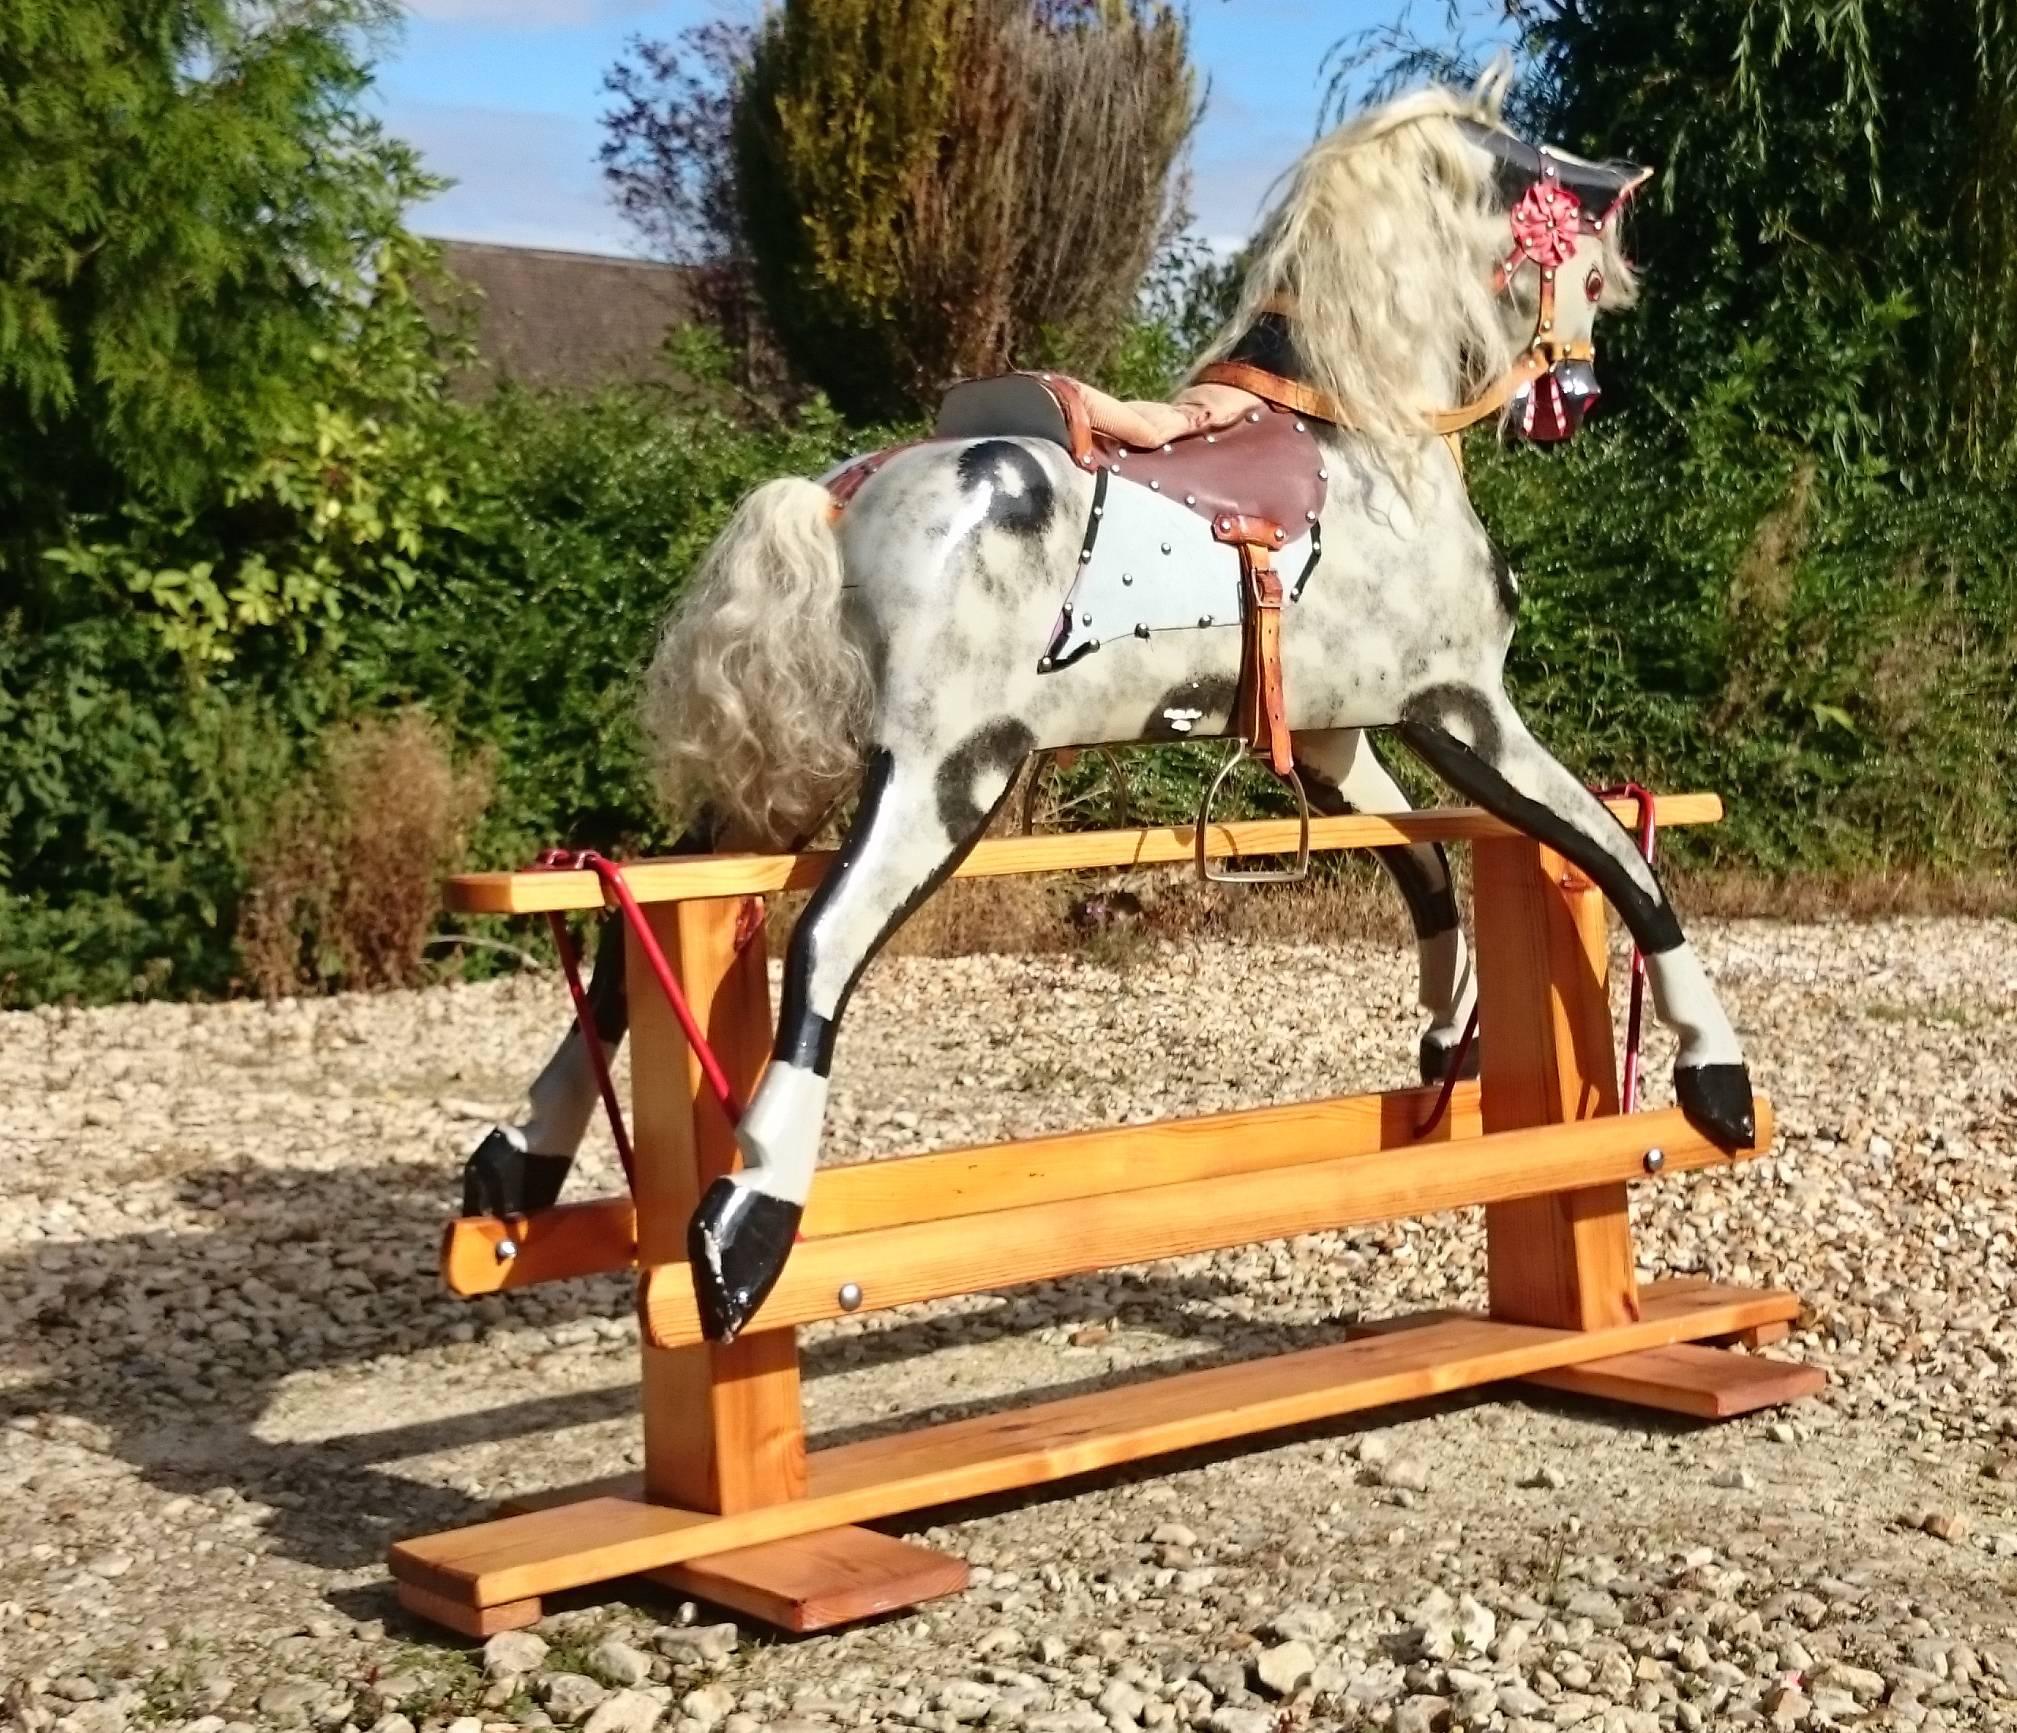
x: 480, y: 1623
x: 1705, y: 1383
x: 813, y: 1582
x: 518, y: 1558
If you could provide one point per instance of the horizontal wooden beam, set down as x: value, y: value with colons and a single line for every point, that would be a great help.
x: 568, y: 1546
x: 931, y: 1260
x: 737, y: 875
x: 592, y: 1238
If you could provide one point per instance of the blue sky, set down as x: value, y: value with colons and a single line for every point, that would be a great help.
x: 505, y: 97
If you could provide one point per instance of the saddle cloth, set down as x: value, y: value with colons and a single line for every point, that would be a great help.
x: 1216, y: 518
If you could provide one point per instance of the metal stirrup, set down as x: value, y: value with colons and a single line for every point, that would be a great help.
x: 1268, y: 876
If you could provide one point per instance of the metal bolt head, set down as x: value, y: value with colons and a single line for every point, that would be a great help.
x: 850, y: 1296
x: 506, y: 1251
x: 1655, y: 1160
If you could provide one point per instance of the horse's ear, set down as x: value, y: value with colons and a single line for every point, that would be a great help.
x: 1603, y: 187
x: 1600, y: 187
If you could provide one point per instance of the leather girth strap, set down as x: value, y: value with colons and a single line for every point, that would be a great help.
x: 1261, y: 713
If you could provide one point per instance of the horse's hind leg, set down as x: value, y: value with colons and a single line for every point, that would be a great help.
x: 1476, y: 741
x: 918, y: 817
x: 1342, y: 775
x: 520, y: 1168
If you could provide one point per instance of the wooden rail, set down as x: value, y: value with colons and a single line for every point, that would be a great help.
x: 600, y: 1236
x: 928, y: 1259
x: 728, y: 875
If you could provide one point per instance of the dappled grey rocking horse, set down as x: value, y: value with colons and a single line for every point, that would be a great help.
x: 1302, y: 566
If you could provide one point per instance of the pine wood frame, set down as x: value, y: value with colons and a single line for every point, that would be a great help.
x: 731, y: 1505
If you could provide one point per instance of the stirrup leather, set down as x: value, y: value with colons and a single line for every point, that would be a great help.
x: 1263, y: 730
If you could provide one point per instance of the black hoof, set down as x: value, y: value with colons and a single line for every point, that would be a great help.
x: 1437, y: 1055
x: 737, y: 1242
x: 1717, y: 1101
x: 500, y: 1179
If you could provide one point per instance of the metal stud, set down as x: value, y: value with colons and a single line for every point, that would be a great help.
x: 1155, y: 487
x: 1211, y: 439
x: 1127, y: 577
x: 1253, y: 415
x: 1190, y: 499
x: 1309, y: 517
x: 1142, y: 632
x: 1084, y: 555
x: 1655, y: 1160
x: 1166, y: 547
x: 1279, y: 534
x: 1204, y: 619
x: 1093, y: 645
x: 1043, y: 664
x: 506, y: 1251
x: 1323, y: 475
x: 1168, y: 448
x: 1300, y: 428
x: 1085, y: 619
x: 850, y: 1296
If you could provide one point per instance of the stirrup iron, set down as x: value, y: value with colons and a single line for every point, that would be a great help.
x: 1212, y: 875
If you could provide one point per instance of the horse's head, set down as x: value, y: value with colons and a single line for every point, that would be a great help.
x: 1561, y: 268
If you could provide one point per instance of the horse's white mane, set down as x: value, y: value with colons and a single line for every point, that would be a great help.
x: 1384, y: 242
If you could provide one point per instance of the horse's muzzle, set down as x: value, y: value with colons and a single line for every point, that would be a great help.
x: 1552, y: 408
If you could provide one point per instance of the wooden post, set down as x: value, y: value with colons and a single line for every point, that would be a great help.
x: 1565, y: 1260
x: 723, y: 1431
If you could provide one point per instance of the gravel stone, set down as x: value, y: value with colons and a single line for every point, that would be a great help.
x: 570, y: 1697
x: 1284, y: 1667
x: 626, y: 1712
x: 615, y: 1662
x: 512, y: 1653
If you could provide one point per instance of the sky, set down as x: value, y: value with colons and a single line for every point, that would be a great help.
x: 505, y: 96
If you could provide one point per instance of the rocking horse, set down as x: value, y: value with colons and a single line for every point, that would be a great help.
x: 1294, y: 561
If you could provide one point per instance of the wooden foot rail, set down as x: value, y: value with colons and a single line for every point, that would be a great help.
x: 731, y: 1505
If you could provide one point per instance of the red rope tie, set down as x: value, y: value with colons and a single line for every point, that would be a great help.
x: 615, y: 887
x: 584, y: 1017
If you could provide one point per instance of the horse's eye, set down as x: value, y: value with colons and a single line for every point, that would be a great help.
x: 1594, y: 284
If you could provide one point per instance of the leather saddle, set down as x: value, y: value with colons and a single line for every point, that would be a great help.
x: 1259, y: 484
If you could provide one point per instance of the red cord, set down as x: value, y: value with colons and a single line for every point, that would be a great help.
x: 584, y: 1016
x: 611, y: 875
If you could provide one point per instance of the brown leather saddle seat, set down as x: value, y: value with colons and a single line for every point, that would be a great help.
x: 1267, y: 470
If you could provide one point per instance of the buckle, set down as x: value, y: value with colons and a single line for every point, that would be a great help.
x: 1267, y: 876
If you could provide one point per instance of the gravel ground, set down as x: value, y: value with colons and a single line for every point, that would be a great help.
x: 228, y: 1380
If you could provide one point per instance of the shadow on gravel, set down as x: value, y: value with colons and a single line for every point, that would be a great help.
x: 169, y: 1347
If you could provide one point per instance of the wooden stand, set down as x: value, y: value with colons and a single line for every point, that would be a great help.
x: 731, y: 1507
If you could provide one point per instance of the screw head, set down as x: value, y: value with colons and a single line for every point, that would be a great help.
x: 1655, y: 1160
x: 506, y: 1251
x: 849, y: 1296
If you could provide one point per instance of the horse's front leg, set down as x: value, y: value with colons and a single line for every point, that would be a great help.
x: 920, y: 812
x: 1342, y: 774
x: 1472, y: 737
x: 517, y: 1169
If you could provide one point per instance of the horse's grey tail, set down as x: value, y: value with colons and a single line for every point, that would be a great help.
x: 756, y: 700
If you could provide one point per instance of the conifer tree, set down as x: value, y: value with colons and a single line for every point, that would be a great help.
x: 192, y: 208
